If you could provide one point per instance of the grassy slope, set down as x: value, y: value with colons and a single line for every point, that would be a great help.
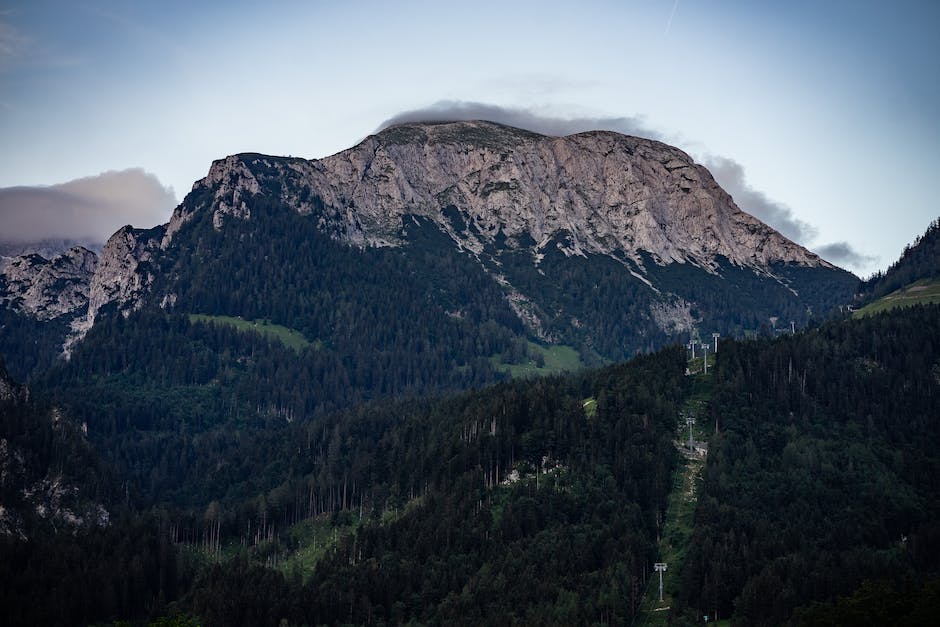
x: 923, y: 292
x: 680, y: 510
x: 287, y: 336
x: 558, y: 359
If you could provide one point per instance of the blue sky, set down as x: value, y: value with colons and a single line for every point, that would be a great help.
x: 821, y: 115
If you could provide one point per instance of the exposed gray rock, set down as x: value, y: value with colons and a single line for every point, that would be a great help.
x: 121, y: 277
x: 603, y: 192
x: 47, y: 248
x: 47, y: 289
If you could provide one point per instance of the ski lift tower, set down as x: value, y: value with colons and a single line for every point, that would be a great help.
x: 716, y: 336
x: 705, y: 356
x: 690, y: 420
x: 660, y: 568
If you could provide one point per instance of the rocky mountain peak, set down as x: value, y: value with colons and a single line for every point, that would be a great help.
x: 597, y: 192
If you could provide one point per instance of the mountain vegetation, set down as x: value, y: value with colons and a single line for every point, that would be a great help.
x: 533, y: 501
x: 823, y: 473
x: 429, y: 249
x: 918, y: 261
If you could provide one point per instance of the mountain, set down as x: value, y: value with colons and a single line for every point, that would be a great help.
x: 47, y: 248
x: 591, y: 193
x: 606, y: 243
x: 48, y: 288
x: 507, y: 198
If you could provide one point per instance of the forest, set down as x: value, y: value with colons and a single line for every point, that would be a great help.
x: 527, y: 502
x: 186, y: 469
x: 921, y: 260
x: 823, y: 472
x: 458, y: 503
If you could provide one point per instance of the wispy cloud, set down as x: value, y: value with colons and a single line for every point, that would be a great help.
x: 19, y: 50
x: 14, y: 45
x: 730, y: 175
x: 89, y: 208
x: 843, y: 254
x: 446, y: 110
x: 672, y: 14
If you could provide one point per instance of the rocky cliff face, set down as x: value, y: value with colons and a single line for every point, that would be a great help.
x: 48, y: 288
x: 600, y: 192
x: 122, y: 276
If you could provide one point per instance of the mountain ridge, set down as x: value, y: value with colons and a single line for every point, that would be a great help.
x: 611, y: 192
x: 522, y: 205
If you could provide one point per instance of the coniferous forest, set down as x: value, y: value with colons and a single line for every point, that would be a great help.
x: 352, y: 457
x: 528, y: 502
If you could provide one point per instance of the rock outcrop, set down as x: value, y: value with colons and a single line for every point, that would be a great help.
x: 48, y: 288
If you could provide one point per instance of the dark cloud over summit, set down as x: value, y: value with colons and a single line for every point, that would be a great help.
x: 448, y: 110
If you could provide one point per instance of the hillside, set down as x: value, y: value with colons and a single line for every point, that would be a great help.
x: 920, y: 292
x: 823, y: 473
x: 917, y: 262
x: 539, y: 501
x: 297, y: 394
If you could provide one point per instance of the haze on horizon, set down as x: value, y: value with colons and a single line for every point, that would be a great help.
x: 818, y: 119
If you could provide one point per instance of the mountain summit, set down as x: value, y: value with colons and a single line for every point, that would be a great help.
x: 607, y: 243
x: 591, y: 193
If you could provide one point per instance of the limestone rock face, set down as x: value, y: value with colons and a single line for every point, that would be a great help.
x: 593, y: 193
x: 47, y: 289
x: 122, y: 275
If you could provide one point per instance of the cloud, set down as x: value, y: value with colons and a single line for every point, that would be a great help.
x: 448, y: 110
x: 730, y: 175
x: 89, y: 208
x: 672, y: 14
x: 842, y: 253
x: 13, y: 44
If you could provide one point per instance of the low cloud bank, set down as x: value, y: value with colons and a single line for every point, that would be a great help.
x: 452, y: 110
x: 89, y: 209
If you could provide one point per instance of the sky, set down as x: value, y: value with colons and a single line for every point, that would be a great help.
x: 819, y: 117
